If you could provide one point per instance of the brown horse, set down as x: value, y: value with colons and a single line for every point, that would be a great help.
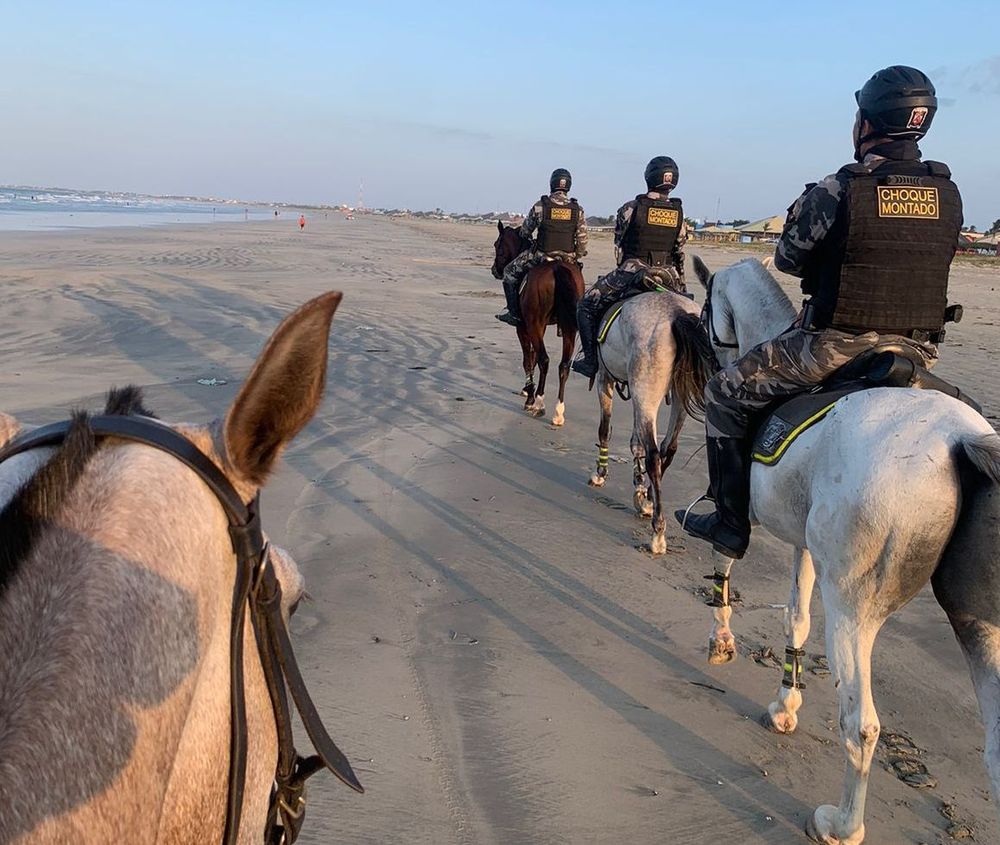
x: 549, y: 296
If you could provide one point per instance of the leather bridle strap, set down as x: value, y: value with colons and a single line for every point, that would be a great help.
x: 707, y: 317
x: 257, y: 586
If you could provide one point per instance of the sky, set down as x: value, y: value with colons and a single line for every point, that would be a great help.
x: 468, y: 106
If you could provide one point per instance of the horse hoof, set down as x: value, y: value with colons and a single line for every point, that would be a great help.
x: 819, y: 828
x: 558, y: 422
x: 536, y: 412
x: 721, y: 652
x: 778, y: 721
x: 596, y: 480
x: 559, y: 417
x: 658, y: 545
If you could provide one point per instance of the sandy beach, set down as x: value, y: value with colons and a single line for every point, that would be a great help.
x: 487, y: 639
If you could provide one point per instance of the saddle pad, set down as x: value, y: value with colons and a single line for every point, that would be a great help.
x: 609, y: 318
x: 784, y: 424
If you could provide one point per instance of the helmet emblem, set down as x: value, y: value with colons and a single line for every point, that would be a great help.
x: 917, y: 118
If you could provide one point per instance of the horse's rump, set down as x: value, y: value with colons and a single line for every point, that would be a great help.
x: 555, y: 288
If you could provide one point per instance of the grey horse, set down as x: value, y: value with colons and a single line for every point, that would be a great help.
x: 657, y: 347
x: 116, y: 593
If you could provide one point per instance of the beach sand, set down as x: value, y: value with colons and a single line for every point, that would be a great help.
x: 486, y: 639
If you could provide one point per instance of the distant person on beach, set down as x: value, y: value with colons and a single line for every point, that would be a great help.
x: 275, y: 212
x: 562, y: 236
x: 649, y: 245
x: 302, y: 222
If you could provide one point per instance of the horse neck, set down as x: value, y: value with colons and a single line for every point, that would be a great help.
x: 760, y: 308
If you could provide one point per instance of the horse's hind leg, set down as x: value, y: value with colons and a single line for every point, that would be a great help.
x: 528, y: 362
x: 606, y: 396
x: 668, y: 446
x: 641, y: 428
x: 646, y: 451
x: 782, y: 714
x: 851, y: 632
x: 568, y: 344
x: 537, y: 407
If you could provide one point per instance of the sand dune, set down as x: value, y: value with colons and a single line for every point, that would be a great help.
x: 486, y: 641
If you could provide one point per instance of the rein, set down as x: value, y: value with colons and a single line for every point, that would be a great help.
x: 257, y: 589
x: 709, y: 323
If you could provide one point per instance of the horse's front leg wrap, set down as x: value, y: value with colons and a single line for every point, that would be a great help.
x: 793, y: 668
x: 721, y: 643
x: 720, y: 589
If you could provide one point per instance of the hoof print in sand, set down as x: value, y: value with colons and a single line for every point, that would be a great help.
x: 902, y: 759
x: 957, y: 829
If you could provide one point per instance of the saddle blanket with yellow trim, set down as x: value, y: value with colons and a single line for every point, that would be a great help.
x: 789, y: 420
x: 608, y: 320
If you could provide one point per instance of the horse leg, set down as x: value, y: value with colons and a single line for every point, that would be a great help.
x: 851, y: 631
x: 643, y: 440
x: 782, y: 714
x: 569, y: 344
x: 537, y: 408
x: 528, y: 362
x: 668, y: 446
x: 606, y: 396
x: 721, y: 642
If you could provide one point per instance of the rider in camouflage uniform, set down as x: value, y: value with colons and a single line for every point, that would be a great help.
x: 650, y: 234
x: 872, y: 244
x: 562, y: 236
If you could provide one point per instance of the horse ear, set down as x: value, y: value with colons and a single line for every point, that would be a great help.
x: 500, y: 226
x: 701, y: 271
x: 282, y: 392
x: 9, y: 427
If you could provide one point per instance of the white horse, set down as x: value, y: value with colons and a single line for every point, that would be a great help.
x: 894, y: 488
x: 657, y: 346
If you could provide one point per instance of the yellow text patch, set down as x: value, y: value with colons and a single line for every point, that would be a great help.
x: 907, y: 202
x: 561, y: 213
x: 663, y: 217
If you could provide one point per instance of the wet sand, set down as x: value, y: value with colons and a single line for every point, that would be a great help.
x: 487, y: 639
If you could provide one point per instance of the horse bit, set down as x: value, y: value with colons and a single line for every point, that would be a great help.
x: 258, y: 590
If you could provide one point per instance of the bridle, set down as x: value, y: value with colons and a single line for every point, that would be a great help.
x: 525, y: 244
x: 256, y: 588
x: 709, y: 323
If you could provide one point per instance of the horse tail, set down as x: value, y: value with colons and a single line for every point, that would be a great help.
x: 967, y: 581
x: 694, y: 364
x: 567, y: 295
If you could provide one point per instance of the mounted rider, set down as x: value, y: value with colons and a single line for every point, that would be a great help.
x: 650, y: 234
x: 562, y: 236
x: 873, y: 244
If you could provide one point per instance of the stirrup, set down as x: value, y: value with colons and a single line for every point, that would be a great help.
x: 704, y: 497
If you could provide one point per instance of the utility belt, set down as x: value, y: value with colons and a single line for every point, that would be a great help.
x: 952, y: 314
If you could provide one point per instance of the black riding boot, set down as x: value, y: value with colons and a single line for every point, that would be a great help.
x: 512, y: 316
x: 728, y: 529
x: 586, y: 321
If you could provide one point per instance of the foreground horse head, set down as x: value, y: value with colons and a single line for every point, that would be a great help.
x: 118, y: 611
x: 509, y: 244
x: 894, y: 488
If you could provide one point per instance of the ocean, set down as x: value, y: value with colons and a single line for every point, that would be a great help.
x: 46, y: 209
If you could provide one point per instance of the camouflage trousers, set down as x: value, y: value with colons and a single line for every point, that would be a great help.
x: 792, y: 363
x: 520, y: 265
x: 622, y: 283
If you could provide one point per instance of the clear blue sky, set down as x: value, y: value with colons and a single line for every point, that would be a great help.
x: 470, y: 105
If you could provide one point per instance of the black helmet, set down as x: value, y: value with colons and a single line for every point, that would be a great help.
x: 560, y: 180
x: 899, y: 102
x: 662, y: 170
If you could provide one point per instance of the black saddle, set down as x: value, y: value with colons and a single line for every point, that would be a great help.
x: 890, y: 364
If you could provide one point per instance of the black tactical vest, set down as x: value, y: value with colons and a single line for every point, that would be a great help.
x: 653, y: 230
x: 557, y: 228
x: 893, y: 240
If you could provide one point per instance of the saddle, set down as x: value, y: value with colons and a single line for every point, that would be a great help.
x: 890, y: 364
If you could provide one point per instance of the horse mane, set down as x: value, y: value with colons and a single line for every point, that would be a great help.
x: 37, y: 503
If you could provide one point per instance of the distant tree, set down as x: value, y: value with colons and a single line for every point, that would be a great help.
x: 691, y: 222
x: 994, y: 228
x: 735, y: 223
x: 972, y: 228
x: 600, y: 221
